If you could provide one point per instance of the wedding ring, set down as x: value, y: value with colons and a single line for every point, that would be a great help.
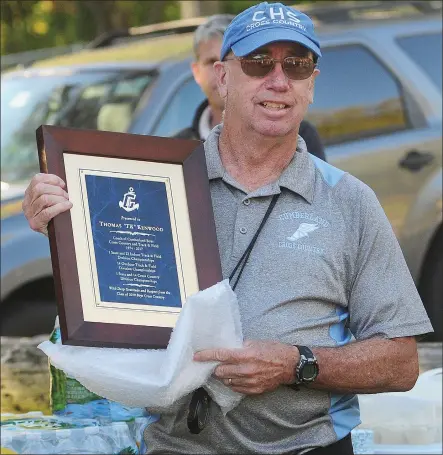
x: 230, y: 381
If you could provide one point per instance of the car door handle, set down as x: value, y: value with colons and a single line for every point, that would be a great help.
x: 414, y: 160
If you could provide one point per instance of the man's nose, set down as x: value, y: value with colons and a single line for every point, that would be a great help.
x: 277, y: 79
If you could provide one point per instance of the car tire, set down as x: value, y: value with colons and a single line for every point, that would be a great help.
x: 27, y: 319
x: 431, y: 288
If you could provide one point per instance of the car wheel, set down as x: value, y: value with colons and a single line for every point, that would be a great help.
x: 431, y: 288
x: 27, y: 319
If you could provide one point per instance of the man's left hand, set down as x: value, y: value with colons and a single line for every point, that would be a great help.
x: 260, y: 366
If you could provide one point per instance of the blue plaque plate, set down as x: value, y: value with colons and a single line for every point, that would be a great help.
x: 133, y: 243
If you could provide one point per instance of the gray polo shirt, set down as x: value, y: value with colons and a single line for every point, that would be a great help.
x: 326, y: 269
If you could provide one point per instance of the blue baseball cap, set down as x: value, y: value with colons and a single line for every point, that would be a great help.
x: 267, y: 23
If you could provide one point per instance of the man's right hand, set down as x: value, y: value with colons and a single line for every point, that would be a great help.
x: 45, y: 198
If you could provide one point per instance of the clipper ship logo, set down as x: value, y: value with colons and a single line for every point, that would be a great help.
x: 128, y: 203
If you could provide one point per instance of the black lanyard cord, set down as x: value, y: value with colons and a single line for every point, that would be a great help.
x: 244, y: 259
x: 198, y: 412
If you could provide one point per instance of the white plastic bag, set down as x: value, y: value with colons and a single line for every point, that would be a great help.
x: 158, y: 378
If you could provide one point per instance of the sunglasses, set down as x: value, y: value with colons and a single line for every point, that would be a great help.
x: 295, y: 68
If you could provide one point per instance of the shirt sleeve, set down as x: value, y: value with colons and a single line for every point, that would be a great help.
x: 313, y: 142
x: 383, y: 297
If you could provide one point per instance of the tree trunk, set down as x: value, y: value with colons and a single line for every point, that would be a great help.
x: 199, y: 8
x: 102, y: 12
x: 189, y: 9
x: 210, y: 7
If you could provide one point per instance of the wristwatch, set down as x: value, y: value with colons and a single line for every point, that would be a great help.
x: 306, y: 370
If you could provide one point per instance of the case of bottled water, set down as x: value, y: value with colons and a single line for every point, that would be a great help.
x: 35, y: 444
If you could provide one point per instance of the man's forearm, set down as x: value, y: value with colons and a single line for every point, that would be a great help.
x: 369, y: 366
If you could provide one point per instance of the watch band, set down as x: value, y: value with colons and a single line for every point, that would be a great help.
x: 305, y: 351
x: 307, y: 357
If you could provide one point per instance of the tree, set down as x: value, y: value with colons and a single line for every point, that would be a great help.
x: 35, y: 24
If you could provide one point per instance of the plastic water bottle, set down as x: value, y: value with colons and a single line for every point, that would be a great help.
x: 63, y: 443
x: 140, y: 425
x: 107, y: 433
x: 122, y: 438
x: 7, y: 444
x: 18, y: 438
x: 94, y: 442
x: 35, y: 444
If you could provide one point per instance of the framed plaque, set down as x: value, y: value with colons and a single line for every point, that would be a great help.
x: 139, y: 239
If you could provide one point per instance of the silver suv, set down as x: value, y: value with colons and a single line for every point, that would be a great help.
x: 378, y: 108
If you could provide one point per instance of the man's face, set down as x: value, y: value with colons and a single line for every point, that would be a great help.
x: 203, y: 70
x: 273, y: 105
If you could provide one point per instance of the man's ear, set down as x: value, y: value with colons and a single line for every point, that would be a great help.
x: 196, y: 71
x: 312, y: 85
x: 221, y: 77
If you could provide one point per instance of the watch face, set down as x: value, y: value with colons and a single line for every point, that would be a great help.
x: 309, y: 371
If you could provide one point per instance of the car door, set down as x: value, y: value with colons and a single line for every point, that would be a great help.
x: 180, y: 108
x: 172, y: 103
x: 373, y: 128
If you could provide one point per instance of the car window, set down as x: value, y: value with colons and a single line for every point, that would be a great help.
x: 355, y: 97
x: 180, y: 110
x: 426, y: 51
x: 103, y: 100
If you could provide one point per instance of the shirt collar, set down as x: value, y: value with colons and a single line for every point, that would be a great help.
x: 298, y: 177
x: 213, y: 161
x: 204, y: 124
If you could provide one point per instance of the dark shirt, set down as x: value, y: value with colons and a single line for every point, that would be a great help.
x: 307, y: 131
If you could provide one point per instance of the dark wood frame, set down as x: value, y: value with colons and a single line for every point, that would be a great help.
x: 52, y: 143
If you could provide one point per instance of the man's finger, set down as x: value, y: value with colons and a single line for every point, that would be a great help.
x: 51, y: 179
x: 43, y: 188
x: 43, y: 202
x: 40, y: 222
x: 37, y: 187
x: 225, y: 371
x: 218, y: 355
x: 239, y: 382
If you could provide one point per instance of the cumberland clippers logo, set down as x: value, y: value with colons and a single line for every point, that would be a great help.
x: 273, y: 15
x: 300, y: 240
x: 303, y: 230
x: 128, y: 203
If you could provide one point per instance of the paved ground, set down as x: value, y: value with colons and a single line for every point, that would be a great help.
x: 430, y: 356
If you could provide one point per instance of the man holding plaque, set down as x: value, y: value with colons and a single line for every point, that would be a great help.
x: 207, y: 45
x: 328, y: 307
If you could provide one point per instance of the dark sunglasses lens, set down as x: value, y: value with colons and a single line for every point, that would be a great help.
x: 257, y: 67
x: 298, y: 68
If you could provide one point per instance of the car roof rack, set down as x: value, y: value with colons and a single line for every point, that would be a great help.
x: 327, y: 12
x: 121, y: 36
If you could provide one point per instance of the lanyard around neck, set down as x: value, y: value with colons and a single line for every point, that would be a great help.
x: 244, y: 259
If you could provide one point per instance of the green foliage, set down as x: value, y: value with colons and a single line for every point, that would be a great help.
x: 128, y: 451
x: 237, y: 6
x: 35, y: 24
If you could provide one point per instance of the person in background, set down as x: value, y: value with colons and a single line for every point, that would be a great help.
x: 207, y: 45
